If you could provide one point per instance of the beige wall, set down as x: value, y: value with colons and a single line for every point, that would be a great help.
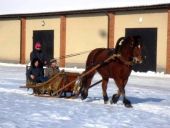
x: 150, y: 19
x: 10, y: 40
x: 51, y: 23
x: 85, y: 32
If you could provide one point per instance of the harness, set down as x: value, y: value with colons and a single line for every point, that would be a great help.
x: 124, y: 61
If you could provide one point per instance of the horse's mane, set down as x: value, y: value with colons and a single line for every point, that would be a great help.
x: 119, y: 44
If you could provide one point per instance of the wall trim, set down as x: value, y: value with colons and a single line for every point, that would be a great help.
x: 111, y: 24
x: 62, y: 40
x: 168, y: 45
x: 23, y: 41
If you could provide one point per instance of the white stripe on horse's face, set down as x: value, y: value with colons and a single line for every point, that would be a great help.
x: 139, y: 46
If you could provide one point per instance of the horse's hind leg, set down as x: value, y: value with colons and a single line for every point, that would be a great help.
x: 104, y: 89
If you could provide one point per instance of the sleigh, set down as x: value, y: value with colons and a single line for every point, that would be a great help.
x: 54, y: 86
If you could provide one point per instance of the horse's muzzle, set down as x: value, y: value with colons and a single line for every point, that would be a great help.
x: 139, y: 59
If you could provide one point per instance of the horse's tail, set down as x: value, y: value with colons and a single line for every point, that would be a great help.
x: 118, y: 44
x: 85, y: 84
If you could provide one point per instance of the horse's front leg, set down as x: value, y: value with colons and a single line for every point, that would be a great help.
x: 126, y: 102
x: 115, y: 97
x: 104, y: 89
x: 121, y: 91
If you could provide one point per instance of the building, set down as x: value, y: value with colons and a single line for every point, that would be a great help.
x: 74, y: 26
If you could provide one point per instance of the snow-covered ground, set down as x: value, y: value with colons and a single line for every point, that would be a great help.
x: 149, y: 94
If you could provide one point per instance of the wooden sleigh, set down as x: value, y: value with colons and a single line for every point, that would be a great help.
x: 53, y: 86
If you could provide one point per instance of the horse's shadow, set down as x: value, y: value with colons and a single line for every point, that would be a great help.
x: 134, y: 100
x: 137, y: 100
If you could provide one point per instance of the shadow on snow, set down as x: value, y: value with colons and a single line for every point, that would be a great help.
x: 134, y: 100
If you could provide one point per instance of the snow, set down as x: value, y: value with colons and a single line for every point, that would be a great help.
x: 148, y: 92
x: 12, y: 65
x: 39, y: 6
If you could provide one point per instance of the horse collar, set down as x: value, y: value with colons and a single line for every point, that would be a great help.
x: 121, y: 58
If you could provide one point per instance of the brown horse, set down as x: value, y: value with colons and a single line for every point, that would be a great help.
x: 128, y: 51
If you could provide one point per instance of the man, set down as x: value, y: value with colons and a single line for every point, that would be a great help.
x: 53, y: 69
x: 37, y: 53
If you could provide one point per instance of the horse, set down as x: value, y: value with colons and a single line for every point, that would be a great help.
x: 128, y: 51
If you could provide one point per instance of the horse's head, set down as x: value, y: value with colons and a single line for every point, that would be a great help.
x: 137, y: 49
x: 130, y: 48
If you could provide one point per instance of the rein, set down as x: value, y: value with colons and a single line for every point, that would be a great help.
x: 72, y: 55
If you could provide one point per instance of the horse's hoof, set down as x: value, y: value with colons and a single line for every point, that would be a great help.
x: 128, y: 106
x: 111, y: 101
x: 106, y: 102
x: 127, y: 103
x: 114, y: 99
x: 106, y: 99
x: 82, y: 98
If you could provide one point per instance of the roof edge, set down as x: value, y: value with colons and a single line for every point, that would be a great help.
x: 101, y: 10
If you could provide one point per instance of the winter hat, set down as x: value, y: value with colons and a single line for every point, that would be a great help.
x: 53, y: 60
x: 37, y: 45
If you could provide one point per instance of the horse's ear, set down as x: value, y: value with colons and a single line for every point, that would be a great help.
x: 138, y: 39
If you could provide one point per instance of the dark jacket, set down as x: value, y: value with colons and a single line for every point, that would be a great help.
x: 37, y: 72
x: 35, y: 54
